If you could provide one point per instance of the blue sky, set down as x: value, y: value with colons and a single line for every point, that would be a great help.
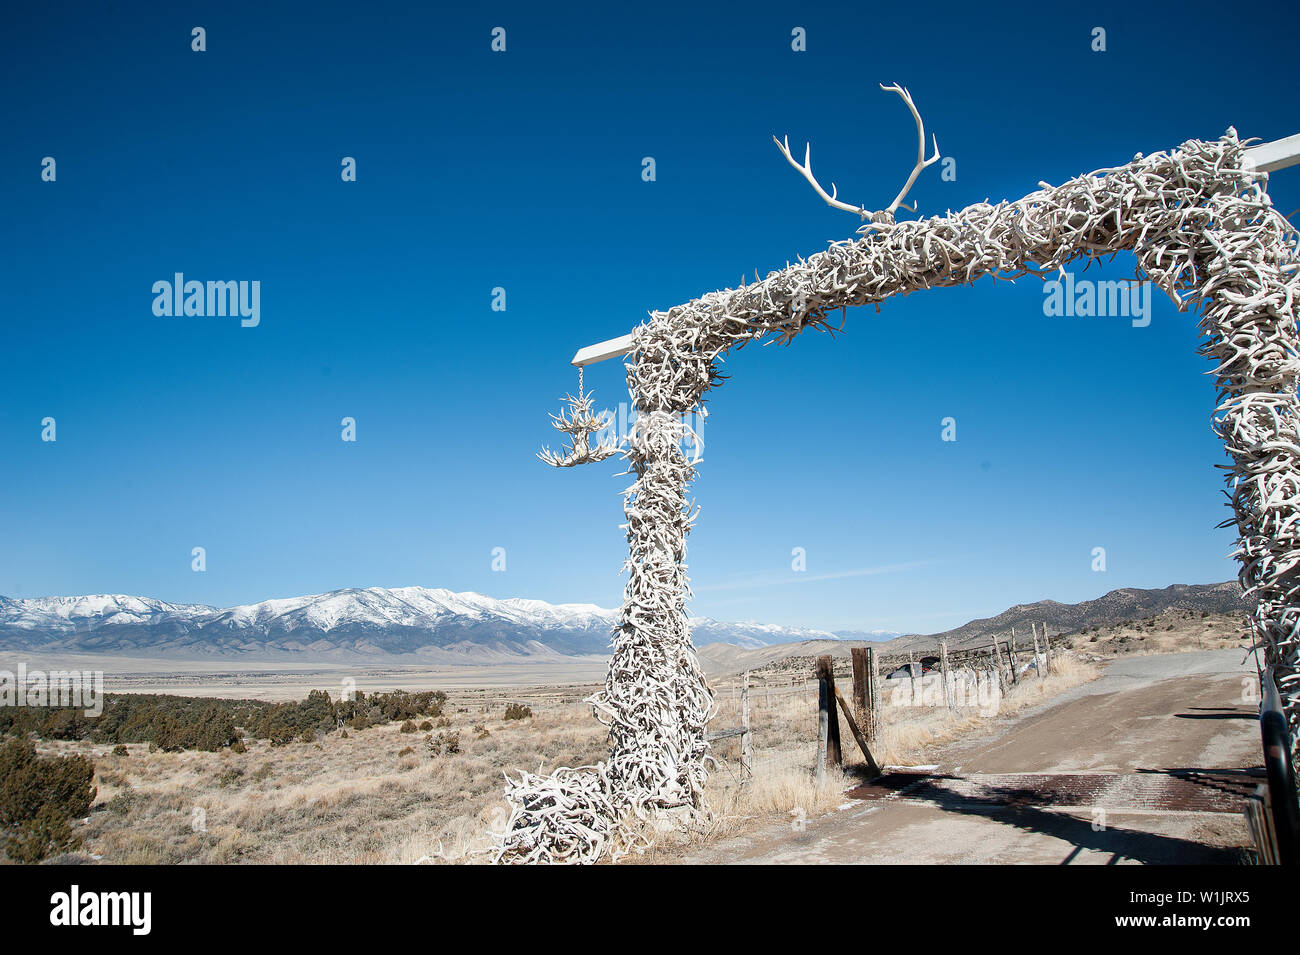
x: 522, y: 170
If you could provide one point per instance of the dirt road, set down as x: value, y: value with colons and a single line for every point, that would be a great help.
x: 1147, y: 764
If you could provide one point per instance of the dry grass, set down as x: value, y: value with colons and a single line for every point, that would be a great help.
x: 339, y: 800
x: 362, y: 799
x: 1172, y: 631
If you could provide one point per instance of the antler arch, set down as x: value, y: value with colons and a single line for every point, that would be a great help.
x: 1203, y: 229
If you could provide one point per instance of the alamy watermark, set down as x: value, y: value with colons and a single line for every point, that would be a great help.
x: 620, y: 424
x: 967, y: 689
x: 83, y: 689
x: 75, y: 907
x: 1085, y: 298
x: 208, y: 299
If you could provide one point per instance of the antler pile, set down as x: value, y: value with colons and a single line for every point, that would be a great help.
x: 1203, y: 229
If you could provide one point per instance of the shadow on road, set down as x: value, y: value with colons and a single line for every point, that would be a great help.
x: 1025, y: 808
x: 1217, y: 716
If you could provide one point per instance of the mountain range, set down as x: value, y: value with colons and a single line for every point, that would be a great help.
x: 425, y: 625
x: 417, y: 624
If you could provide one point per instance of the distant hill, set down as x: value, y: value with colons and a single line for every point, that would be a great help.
x: 866, y: 636
x: 1115, y: 608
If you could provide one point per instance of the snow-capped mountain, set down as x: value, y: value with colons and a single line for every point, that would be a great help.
x: 417, y: 623
x: 867, y: 636
x: 751, y: 635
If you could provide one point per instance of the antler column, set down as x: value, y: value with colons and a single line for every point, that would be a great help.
x: 655, y: 697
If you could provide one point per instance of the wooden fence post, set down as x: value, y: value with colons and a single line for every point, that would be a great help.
x: 877, y: 715
x: 872, y: 766
x: 822, y: 728
x: 1015, y: 664
x: 1038, y: 657
x: 947, y: 680
x: 1047, y: 641
x: 861, y: 687
x: 746, y: 750
x: 1011, y: 656
x: 828, y: 716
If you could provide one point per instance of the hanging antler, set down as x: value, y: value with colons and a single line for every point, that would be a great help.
x: 885, y: 217
x: 580, y: 424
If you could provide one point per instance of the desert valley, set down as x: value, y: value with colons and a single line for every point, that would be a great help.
x: 340, y: 748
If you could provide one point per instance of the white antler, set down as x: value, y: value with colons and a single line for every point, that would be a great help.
x: 806, y: 170
x: 885, y: 216
x: 921, y: 161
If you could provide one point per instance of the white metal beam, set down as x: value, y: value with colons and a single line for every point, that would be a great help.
x: 1275, y: 155
x: 602, y: 350
x: 1267, y: 157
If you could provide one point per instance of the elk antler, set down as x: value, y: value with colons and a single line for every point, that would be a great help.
x: 885, y: 216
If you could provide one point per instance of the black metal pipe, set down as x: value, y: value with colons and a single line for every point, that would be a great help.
x: 1281, y: 775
